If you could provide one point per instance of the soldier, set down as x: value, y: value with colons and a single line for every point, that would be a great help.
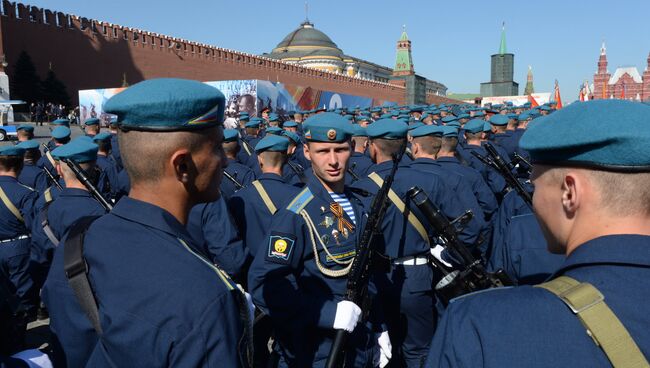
x: 32, y: 175
x: 92, y: 127
x: 592, y: 198
x: 25, y: 132
x: 360, y: 163
x: 407, y: 290
x: 106, y: 164
x: 298, y: 277
x: 240, y: 174
x: 115, y: 147
x: 16, y: 217
x: 501, y: 135
x: 161, y: 301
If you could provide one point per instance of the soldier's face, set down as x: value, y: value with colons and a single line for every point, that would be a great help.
x: 329, y: 160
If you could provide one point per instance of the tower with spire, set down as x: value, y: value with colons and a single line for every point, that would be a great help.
x: 502, y: 72
x: 404, y: 60
x: 646, y: 81
x: 602, y: 76
x: 529, y: 82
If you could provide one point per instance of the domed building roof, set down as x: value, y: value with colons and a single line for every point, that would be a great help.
x: 306, y: 41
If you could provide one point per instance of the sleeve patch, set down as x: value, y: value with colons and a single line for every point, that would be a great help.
x: 280, y: 247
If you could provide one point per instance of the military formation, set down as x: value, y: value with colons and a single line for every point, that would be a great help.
x: 447, y: 235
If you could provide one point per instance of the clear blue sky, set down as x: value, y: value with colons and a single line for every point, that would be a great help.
x: 452, y: 40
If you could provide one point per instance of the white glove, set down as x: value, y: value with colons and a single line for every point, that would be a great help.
x: 437, y: 252
x: 385, y: 350
x: 347, y: 316
x: 34, y: 358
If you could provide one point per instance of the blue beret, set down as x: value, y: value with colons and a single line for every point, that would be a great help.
x: 359, y: 131
x: 92, y: 121
x: 487, y: 127
x: 363, y: 118
x: 499, y: 120
x: 78, y: 150
x: 545, y: 108
x: 61, y: 132
x: 449, y: 131
x: 479, y: 113
x: 512, y: 116
x: 254, y: 123
x: 104, y: 136
x: 167, y: 104
x: 424, y: 116
x: 274, y: 130
x: 608, y: 134
x: 293, y: 136
x: 29, y: 145
x: 464, y: 116
x: 230, y: 135
x: 12, y: 151
x: 64, y: 122
x: 415, y: 125
x: 273, y: 143
x: 523, y: 116
x: 474, y: 126
x: 327, y: 127
x: 290, y: 124
x: 454, y: 123
x: 27, y: 128
x: 386, y: 116
x: 449, y: 118
x: 426, y: 130
x: 274, y: 117
x: 387, y: 129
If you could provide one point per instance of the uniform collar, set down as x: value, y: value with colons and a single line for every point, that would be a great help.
x: 271, y: 176
x: 424, y: 160
x: 150, y: 215
x: 319, y: 191
x: 611, y: 249
x: 75, y: 192
x: 447, y: 159
x: 7, y: 178
x: 386, y: 166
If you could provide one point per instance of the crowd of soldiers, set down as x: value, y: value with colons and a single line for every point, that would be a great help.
x: 142, y: 254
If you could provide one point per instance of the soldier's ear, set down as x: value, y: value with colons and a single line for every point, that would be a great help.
x: 181, y: 165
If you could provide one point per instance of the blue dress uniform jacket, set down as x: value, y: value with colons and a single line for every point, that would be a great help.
x: 212, y: 228
x: 160, y: 303
x: 252, y: 216
x: 240, y: 172
x: 531, y: 327
x: 495, y: 181
x: 523, y: 254
x: 287, y: 284
x: 34, y: 177
x: 110, y: 171
x: 512, y: 205
x: 116, y: 153
x: 481, y: 190
x: 359, y: 164
x: 508, y: 141
x: 15, y: 240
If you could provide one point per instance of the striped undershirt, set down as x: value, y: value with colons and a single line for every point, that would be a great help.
x: 345, y: 204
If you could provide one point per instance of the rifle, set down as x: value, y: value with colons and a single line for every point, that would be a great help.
x: 350, y: 171
x: 83, y: 178
x: 53, y: 179
x: 359, y: 275
x: 472, y: 276
x: 298, y: 170
x: 238, y: 185
x: 496, y: 162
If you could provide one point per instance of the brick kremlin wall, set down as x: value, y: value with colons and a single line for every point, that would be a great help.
x: 87, y: 54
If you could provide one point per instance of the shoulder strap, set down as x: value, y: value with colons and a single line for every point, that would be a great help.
x: 50, y: 158
x: 601, y: 323
x: 265, y: 196
x: 48, y: 195
x: 76, y: 270
x: 397, y: 201
x: 300, y: 201
x: 10, y: 206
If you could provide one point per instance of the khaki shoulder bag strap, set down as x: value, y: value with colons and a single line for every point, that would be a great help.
x: 601, y: 323
x: 10, y: 206
x: 265, y: 197
x: 401, y: 206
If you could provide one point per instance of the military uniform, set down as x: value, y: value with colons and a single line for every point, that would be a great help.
x: 161, y: 302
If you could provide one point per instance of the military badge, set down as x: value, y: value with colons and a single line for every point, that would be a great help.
x: 327, y: 222
x: 331, y: 134
x: 280, y: 247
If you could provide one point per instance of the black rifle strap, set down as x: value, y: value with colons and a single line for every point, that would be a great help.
x: 76, y: 270
x: 45, y: 224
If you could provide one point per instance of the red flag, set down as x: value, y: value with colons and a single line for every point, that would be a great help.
x: 558, y: 99
x: 582, y: 95
x: 533, y: 102
x: 623, y: 93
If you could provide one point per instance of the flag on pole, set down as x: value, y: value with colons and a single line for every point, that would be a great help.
x: 623, y: 93
x: 533, y: 102
x: 581, y: 96
x: 557, y: 98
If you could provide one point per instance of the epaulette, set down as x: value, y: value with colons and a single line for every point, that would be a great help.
x: 300, y: 201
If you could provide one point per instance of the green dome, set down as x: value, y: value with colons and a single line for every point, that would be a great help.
x: 307, y: 40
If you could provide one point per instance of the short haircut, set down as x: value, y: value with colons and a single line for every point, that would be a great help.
x: 449, y: 144
x: 272, y: 159
x: 92, y: 129
x: 62, y: 140
x: 388, y: 147
x: 144, y: 154
x: 231, y: 148
x: 104, y: 146
x: 11, y: 163
x: 430, y: 144
x: 473, y: 135
x: 32, y: 155
x: 24, y: 134
x: 85, y: 166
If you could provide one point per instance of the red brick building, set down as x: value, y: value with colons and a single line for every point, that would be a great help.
x: 625, y: 83
x: 87, y: 54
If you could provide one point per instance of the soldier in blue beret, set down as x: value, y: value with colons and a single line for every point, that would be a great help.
x: 25, y: 132
x: 360, y: 162
x: 16, y: 218
x: 181, y: 309
x: 294, y: 172
x: 591, y: 199
x: 501, y: 135
x: 32, y: 175
x: 92, y: 127
x: 407, y: 290
x: 298, y: 277
x: 241, y: 174
x: 107, y: 164
x: 273, y: 120
x: 61, y: 122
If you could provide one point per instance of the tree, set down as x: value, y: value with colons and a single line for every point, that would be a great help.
x: 25, y: 84
x: 54, y: 90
